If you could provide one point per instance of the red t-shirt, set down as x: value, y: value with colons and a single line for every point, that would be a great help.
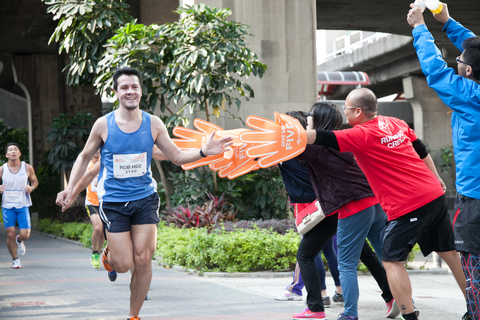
x: 398, y: 177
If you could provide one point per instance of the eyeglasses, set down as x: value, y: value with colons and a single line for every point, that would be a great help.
x: 460, y: 61
x: 345, y: 108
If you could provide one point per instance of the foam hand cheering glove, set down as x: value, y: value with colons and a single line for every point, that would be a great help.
x: 196, y: 139
x: 274, y: 142
x: 235, y: 162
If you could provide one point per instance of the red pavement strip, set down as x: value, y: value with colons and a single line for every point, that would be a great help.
x: 257, y: 316
x: 27, y: 303
x: 6, y: 283
x: 27, y: 261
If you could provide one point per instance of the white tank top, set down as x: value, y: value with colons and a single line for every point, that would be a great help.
x: 15, y: 195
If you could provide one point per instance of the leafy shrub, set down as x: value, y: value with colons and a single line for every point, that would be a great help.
x: 43, y: 198
x: 72, y: 230
x: 86, y: 236
x: 50, y: 226
x: 278, y: 226
x: 257, y: 195
x: 208, y: 215
x: 236, y: 251
x: 67, y: 136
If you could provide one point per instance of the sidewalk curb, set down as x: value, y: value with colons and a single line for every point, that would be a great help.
x: 59, y: 238
x: 264, y: 274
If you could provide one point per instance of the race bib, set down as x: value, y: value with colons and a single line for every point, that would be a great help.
x: 12, y: 196
x: 129, y: 165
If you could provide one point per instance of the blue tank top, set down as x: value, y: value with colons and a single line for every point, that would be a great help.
x: 125, y: 173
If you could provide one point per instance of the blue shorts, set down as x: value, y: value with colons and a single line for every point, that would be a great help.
x: 21, y: 216
x: 120, y: 216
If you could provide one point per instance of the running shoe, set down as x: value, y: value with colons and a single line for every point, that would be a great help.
x: 338, y: 298
x: 133, y: 318
x: 16, y: 264
x: 20, y: 247
x: 105, y: 259
x: 307, y: 314
x: 392, y: 309
x: 95, y: 261
x: 343, y: 316
x: 326, y: 302
x: 112, y: 275
x: 287, y: 296
x: 466, y: 316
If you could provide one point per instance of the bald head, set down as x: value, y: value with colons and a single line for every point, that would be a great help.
x: 365, y: 99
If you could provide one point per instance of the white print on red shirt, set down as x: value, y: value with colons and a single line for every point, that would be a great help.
x: 395, y: 140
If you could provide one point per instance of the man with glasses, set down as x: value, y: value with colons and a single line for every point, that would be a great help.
x: 403, y: 177
x: 461, y: 92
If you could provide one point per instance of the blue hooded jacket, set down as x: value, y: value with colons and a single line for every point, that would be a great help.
x: 462, y: 95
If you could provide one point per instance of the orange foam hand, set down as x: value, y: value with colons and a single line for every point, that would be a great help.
x: 274, y: 142
x: 195, y: 139
x: 235, y: 162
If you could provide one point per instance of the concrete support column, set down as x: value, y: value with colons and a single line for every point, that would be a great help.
x: 284, y: 39
x: 431, y: 119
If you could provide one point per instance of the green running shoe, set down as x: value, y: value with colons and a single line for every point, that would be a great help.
x: 95, y: 262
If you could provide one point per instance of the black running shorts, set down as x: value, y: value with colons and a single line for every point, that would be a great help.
x: 428, y: 225
x: 120, y: 216
x: 91, y: 209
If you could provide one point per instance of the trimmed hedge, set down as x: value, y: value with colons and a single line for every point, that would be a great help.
x: 227, y: 251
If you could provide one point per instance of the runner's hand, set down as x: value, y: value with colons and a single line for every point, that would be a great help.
x: 64, y: 199
x: 235, y: 163
x: 2, y: 188
x: 196, y: 139
x: 276, y: 141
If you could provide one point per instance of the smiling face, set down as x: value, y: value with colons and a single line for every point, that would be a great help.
x: 129, y: 91
x: 13, y: 153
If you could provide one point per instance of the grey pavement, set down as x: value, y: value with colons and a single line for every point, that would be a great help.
x: 57, y: 282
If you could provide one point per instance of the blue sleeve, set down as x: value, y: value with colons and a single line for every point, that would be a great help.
x: 457, y: 33
x: 455, y: 91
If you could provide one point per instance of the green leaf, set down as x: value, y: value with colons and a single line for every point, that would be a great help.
x: 198, y: 82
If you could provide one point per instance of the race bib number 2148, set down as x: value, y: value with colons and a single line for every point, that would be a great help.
x: 129, y: 165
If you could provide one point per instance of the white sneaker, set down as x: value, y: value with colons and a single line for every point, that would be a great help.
x: 16, y: 264
x: 287, y: 296
x: 20, y: 247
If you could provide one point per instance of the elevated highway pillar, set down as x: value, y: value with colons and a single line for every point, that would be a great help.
x: 431, y: 120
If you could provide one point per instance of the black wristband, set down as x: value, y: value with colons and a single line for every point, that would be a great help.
x: 202, y: 154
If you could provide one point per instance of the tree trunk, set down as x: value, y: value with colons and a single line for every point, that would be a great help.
x: 164, y: 182
x: 214, y: 173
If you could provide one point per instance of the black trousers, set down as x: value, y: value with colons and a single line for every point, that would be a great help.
x: 371, y: 261
x: 310, y: 246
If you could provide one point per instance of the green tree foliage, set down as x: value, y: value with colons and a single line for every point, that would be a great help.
x: 68, y: 135
x: 19, y: 136
x: 83, y: 29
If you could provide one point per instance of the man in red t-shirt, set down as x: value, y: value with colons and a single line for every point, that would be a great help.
x: 403, y: 177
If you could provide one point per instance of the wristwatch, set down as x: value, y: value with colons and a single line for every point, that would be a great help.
x: 203, y: 155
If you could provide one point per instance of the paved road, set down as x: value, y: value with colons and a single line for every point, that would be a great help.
x: 57, y: 282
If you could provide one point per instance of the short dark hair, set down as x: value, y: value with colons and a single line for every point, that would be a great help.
x: 326, y: 116
x: 301, y: 116
x: 471, y: 55
x: 12, y: 144
x: 128, y: 72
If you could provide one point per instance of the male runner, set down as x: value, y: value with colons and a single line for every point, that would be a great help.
x: 16, y: 199
x: 128, y: 201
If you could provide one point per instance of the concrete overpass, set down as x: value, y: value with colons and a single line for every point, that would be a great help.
x: 284, y: 38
